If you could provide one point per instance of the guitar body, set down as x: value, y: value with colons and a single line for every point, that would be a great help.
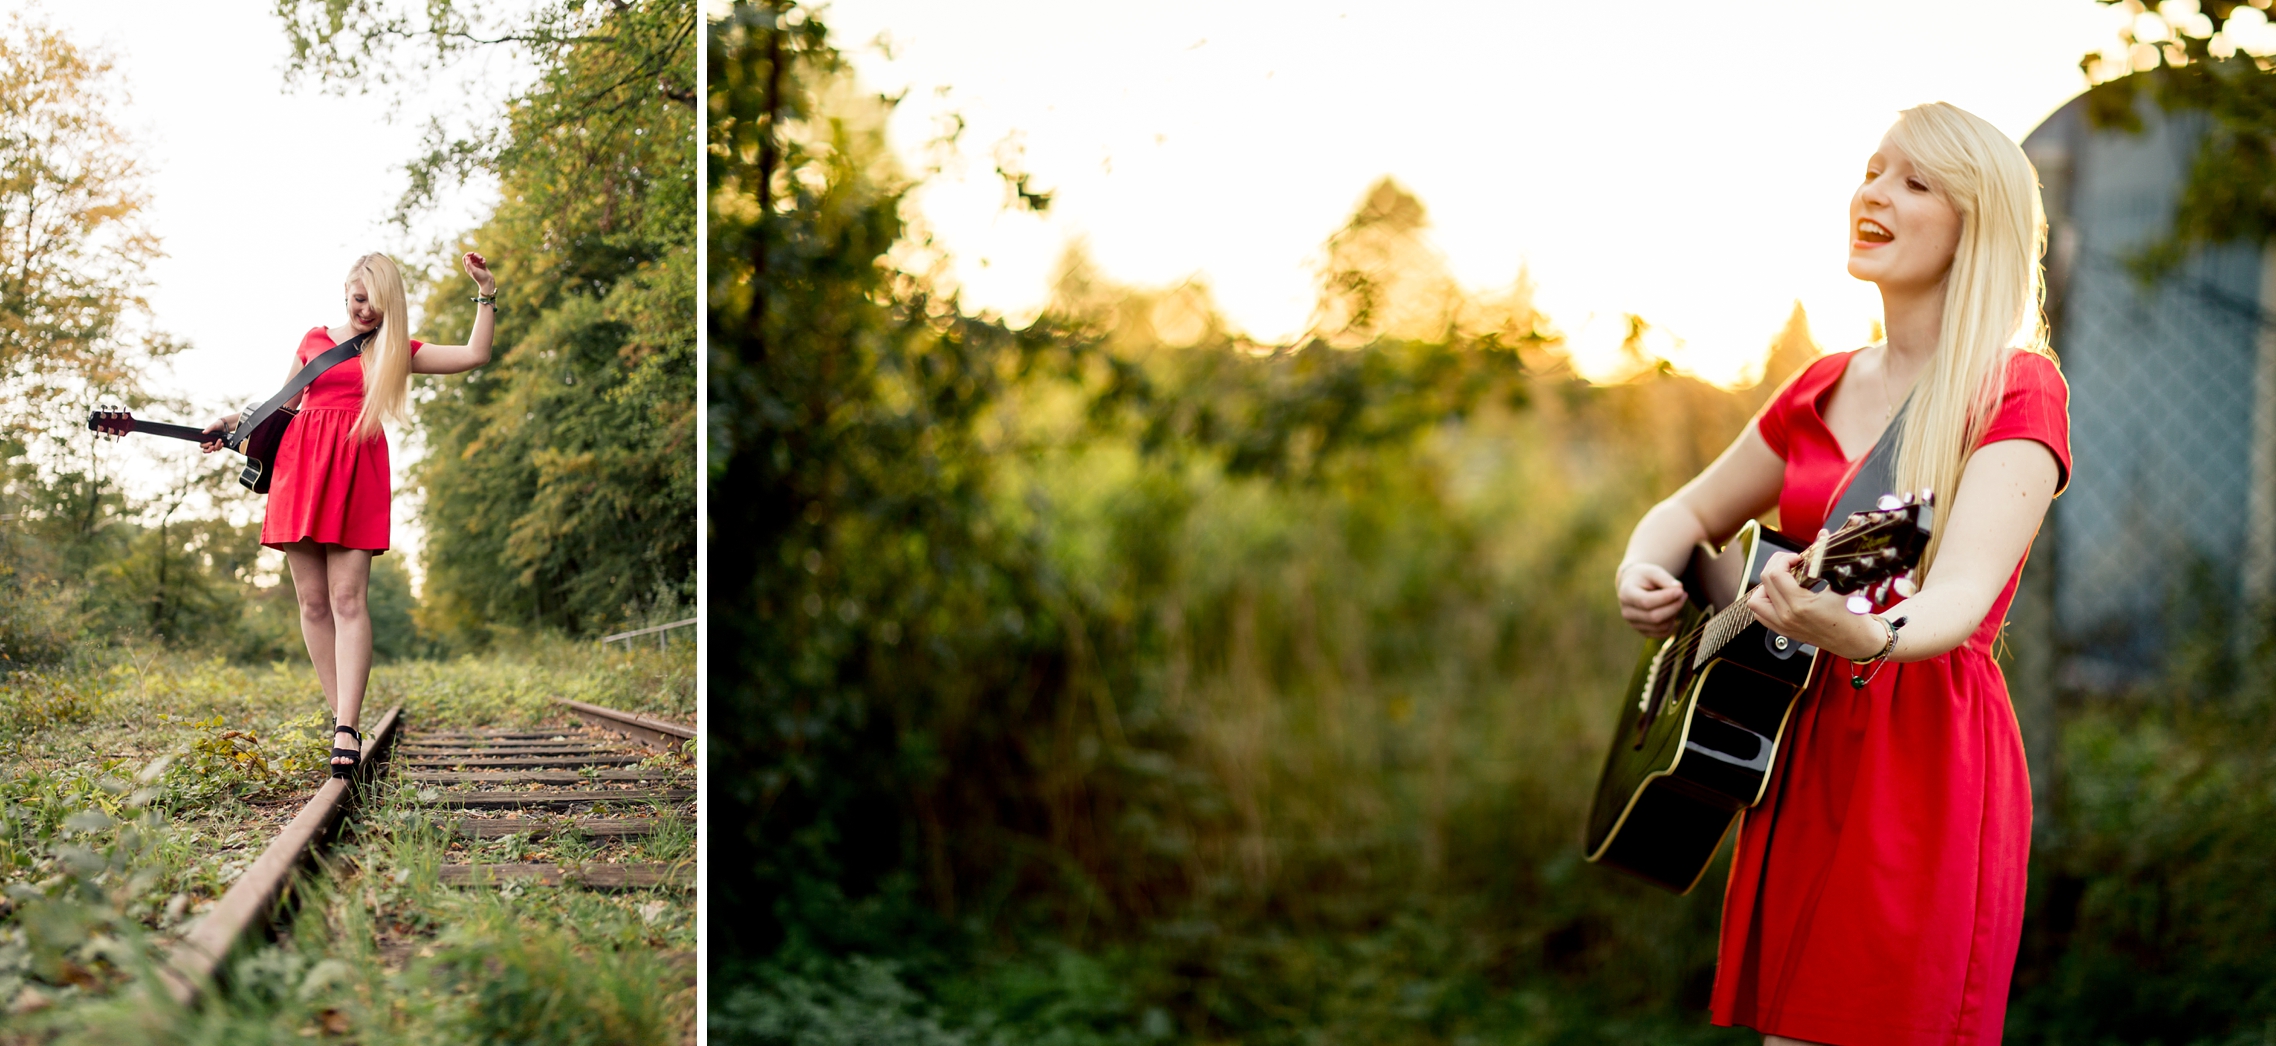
x: 1702, y: 717
x: 1695, y: 742
x: 260, y: 449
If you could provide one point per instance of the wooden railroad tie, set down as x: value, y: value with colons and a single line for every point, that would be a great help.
x: 495, y: 733
x: 548, y: 800
x: 594, y: 827
x: 596, y: 759
x: 593, y: 876
x: 544, y: 777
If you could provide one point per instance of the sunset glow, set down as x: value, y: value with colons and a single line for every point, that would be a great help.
x: 1686, y: 163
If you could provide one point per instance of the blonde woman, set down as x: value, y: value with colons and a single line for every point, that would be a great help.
x: 328, y: 507
x: 1876, y: 895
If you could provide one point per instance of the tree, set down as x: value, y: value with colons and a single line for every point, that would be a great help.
x: 559, y: 481
x: 73, y: 252
x: 73, y: 244
x: 852, y: 572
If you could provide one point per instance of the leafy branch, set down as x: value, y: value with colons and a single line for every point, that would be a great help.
x: 2218, y: 58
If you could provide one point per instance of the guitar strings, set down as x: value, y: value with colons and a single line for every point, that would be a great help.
x: 1733, y: 619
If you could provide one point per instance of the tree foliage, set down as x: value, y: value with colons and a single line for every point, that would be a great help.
x: 559, y: 480
x: 2218, y: 58
x: 627, y: 54
x: 73, y: 242
x: 74, y: 249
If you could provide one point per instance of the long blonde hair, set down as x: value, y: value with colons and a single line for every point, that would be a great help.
x: 387, y: 357
x: 1994, y: 294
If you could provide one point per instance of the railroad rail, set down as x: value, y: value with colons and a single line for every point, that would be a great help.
x: 645, y: 729
x: 254, y: 899
x: 531, y: 782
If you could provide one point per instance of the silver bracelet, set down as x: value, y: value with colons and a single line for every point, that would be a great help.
x: 1858, y: 680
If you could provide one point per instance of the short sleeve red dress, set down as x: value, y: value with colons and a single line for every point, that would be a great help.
x: 329, y: 486
x: 1876, y: 894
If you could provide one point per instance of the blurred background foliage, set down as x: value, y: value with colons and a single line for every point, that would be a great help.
x: 558, y: 483
x: 2212, y: 57
x: 1114, y: 678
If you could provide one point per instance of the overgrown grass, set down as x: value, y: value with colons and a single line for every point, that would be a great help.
x: 140, y: 782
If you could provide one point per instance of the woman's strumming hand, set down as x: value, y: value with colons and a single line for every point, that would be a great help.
x: 1821, y: 619
x: 221, y: 427
x: 1651, y: 599
x: 479, y: 267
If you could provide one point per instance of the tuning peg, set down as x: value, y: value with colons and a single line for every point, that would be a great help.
x: 1905, y: 587
x: 1888, y: 501
x: 1858, y: 604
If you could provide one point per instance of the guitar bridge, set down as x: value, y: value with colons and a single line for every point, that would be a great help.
x: 1652, y: 678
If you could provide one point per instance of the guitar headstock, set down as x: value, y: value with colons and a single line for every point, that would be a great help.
x: 1874, y: 552
x: 110, y: 419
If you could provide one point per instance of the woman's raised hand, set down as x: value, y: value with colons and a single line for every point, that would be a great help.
x: 1650, y: 598
x: 479, y: 267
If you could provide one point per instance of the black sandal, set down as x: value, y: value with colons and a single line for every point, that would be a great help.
x: 354, y: 755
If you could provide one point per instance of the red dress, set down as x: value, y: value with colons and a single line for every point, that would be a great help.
x: 1876, y: 894
x: 328, y: 485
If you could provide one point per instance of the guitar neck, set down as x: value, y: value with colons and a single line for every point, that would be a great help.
x: 1721, y: 629
x: 1727, y: 623
x: 173, y: 431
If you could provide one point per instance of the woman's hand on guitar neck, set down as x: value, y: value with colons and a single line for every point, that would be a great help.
x: 1821, y: 619
x: 1651, y: 599
x: 219, y: 428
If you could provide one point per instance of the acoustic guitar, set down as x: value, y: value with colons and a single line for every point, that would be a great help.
x: 259, y: 446
x: 1703, y: 714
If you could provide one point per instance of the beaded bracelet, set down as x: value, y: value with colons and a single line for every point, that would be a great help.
x: 1857, y: 680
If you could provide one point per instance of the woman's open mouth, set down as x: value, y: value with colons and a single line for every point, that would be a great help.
x: 1870, y: 231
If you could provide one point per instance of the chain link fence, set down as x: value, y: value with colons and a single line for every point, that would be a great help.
x: 2164, y: 529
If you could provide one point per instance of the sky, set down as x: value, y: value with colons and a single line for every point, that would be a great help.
x: 1690, y: 163
x: 261, y: 197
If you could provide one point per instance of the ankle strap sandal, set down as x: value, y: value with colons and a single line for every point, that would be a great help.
x: 352, y: 755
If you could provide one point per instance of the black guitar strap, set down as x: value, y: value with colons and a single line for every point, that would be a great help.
x: 1877, y: 476
x: 308, y: 372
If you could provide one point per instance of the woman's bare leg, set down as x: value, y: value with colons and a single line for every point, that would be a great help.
x: 314, y: 593
x: 348, y: 572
